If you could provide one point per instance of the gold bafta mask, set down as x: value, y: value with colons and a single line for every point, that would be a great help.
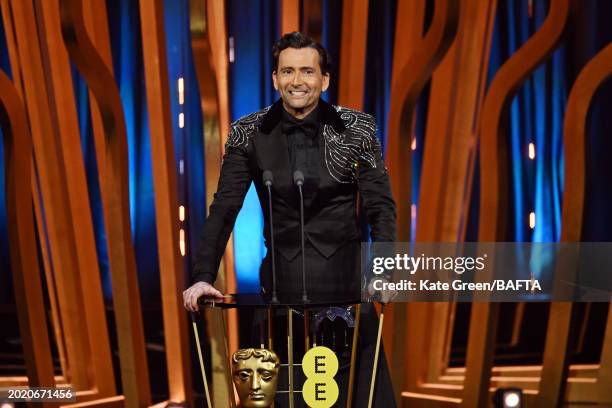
x: 255, y: 374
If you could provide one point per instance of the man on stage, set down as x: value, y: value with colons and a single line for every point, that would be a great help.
x: 338, y: 153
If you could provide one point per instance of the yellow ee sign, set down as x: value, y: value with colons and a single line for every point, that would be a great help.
x: 320, y: 365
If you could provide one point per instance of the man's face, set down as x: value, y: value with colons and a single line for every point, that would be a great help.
x: 255, y: 382
x: 299, y: 80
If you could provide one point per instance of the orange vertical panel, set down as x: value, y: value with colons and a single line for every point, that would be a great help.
x: 407, y: 83
x: 312, y: 19
x: 115, y: 197
x: 455, y: 96
x: 44, y: 247
x: 290, y: 16
x: 11, y: 42
x: 409, y: 23
x: 64, y: 108
x: 22, y: 240
x: 605, y: 366
x: 166, y: 201
x: 409, y: 26
x: 454, y: 101
x: 217, y: 36
x: 52, y: 177
x: 561, y: 329
x: 354, y: 41
x: 205, y: 29
x: 95, y: 16
x: 411, y: 71
x: 495, y: 186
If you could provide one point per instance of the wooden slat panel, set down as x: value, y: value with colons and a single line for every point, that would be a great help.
x: 354, y: 41
x: 495, y: 186
x: 290, y: 16
x: 407, y: 84
x: 409, y: 23
x: 64, y: 109
x: 204, y: 62
x: 561, y: 331
x: 312, y: 19
x: 410, y: 74
x: 456, y: 93
x: 110, y: 402
x: 495, y: 109
x: 96, y: 25
x: 479, y: 357
x: 409, y: 26
x: 23, y: 381
x: 204, y: 30
x: 605, y: 371
x: 40, y: 223
x: 54, y: 193
x: 45, y: 251
x: 582, y: 387
x: 126, y: 295
x: 454, y: 101
x: 11, y: 42
x: 217, y: 34
x: 166, y: 201
x: 22, y: 240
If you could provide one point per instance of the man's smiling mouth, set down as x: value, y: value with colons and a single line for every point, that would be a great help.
x: 298, y: 93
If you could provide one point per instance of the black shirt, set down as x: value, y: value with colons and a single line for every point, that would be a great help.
x: 303, y: 147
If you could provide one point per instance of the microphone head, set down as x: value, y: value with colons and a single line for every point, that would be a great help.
x: 298, y: 177
x: 268, y: 178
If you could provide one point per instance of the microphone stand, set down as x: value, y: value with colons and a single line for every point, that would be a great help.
x: 298, y: 179
x: 267, y: 179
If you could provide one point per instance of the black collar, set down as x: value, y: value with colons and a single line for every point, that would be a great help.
x: 327, y: 115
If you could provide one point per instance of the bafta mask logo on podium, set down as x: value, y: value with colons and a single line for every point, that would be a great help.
x: 255, y: 375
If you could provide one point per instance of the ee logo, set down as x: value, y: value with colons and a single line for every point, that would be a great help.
x: 320, y: 365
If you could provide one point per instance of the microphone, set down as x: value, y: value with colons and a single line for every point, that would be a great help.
x: 268, y: 178
x: 298, y: 179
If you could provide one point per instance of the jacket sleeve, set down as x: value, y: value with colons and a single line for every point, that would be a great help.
x: 374, y: 187
x: 234, y: 182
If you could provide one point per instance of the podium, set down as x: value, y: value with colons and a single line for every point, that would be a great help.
x: 317, y: 310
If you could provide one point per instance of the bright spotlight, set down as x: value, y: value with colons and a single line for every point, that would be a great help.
x: 508, y: 398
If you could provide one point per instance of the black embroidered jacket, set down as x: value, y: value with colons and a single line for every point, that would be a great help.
x: 350, y: 164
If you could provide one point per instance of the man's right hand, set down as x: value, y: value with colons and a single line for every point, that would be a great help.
x: 195, y: 291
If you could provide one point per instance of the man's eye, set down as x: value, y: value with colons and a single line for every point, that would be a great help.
x: 309, y: 72
x: 244, y: 376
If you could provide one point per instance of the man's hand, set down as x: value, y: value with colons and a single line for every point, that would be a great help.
x: 195, y: 291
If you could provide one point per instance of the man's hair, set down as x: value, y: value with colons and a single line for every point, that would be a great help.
x: 299, y: 40
x: 263, y: 354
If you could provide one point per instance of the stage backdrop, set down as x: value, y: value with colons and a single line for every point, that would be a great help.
x: 535, y: 122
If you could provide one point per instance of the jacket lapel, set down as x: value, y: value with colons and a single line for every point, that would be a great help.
x: 272, y: 153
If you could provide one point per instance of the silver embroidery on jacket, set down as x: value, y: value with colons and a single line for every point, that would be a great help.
x: 344, y: 152
x: 357, y: 146
x: 242, y: 129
